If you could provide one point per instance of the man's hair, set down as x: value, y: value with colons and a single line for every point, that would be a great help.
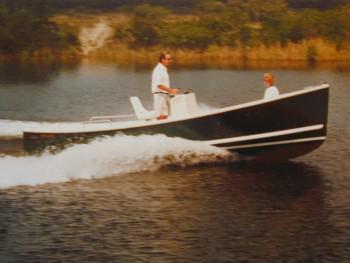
x: 163, y: 55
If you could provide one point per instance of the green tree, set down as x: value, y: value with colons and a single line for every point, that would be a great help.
x: 322, y: 4
x: 28, y: 28
x: 335, y: 27
x: 146, y: 23
x: 187, y: 35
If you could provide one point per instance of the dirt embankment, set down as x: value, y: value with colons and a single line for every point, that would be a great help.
x: 95, y: 37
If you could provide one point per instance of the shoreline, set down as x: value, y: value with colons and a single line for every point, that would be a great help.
x: 316, y: 50
x: 214, y: 55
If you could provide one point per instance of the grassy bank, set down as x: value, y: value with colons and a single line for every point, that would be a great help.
x: 316, y: 50
x: 308, y: 51
x: 44, y: 55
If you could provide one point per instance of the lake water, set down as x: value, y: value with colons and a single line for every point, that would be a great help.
x: 160, y: 199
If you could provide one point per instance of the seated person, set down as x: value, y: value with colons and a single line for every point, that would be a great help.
x: 271, y: 90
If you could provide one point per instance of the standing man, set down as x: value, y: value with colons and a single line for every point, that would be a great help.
x: 161, y: 87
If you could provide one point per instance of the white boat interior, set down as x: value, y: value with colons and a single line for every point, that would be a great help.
x: 182, y: 106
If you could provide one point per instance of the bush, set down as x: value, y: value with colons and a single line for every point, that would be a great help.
x: 145, y: 24
x: 186, y: 35
x: 311, y: 54
x: 28, y: 29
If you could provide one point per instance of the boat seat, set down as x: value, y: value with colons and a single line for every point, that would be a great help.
x: 140, y: 112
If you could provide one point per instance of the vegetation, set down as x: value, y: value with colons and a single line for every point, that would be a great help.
x: 196, y: 25
x: 25, y: 26
x: 179, y: 5
x: 237, y: 24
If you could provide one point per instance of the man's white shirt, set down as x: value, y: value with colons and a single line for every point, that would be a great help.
x: 160, y: 76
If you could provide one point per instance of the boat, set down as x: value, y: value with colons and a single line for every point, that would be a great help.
x: 280, y: 128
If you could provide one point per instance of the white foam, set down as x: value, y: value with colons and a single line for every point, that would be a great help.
x: 14, y: 128
x: 204, y: 107
x: 106, y: 157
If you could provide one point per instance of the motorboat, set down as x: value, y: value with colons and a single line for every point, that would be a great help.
x: 279, y: 128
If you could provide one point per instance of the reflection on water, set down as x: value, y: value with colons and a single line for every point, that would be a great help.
x: 229, y: 213
x: 15, y: 72
x: 30, y: 73
x: 206, y: 63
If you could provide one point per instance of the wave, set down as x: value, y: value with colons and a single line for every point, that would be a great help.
x: 103, y: 157
x: 13, y: 128
x: 205, y: 107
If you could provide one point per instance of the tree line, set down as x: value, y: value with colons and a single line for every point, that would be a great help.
x: 235, y: 23
x: 26, y: 26
x: 178, y: 4
x: 193, y: 24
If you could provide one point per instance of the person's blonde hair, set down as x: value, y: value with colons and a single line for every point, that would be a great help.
x: 269, y: 78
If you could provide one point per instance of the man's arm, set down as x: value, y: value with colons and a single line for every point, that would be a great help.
x: 168, y: 89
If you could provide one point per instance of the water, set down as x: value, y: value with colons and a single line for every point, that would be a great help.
x: 160, y: 199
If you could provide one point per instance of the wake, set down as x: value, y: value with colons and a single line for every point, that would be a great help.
x: 14, y: 128
x: 110, y: 156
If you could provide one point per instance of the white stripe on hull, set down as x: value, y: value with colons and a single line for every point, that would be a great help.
x: 266, y: 135
x: 274, y: 143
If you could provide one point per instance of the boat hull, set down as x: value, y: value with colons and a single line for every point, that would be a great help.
x: 282, y: 128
